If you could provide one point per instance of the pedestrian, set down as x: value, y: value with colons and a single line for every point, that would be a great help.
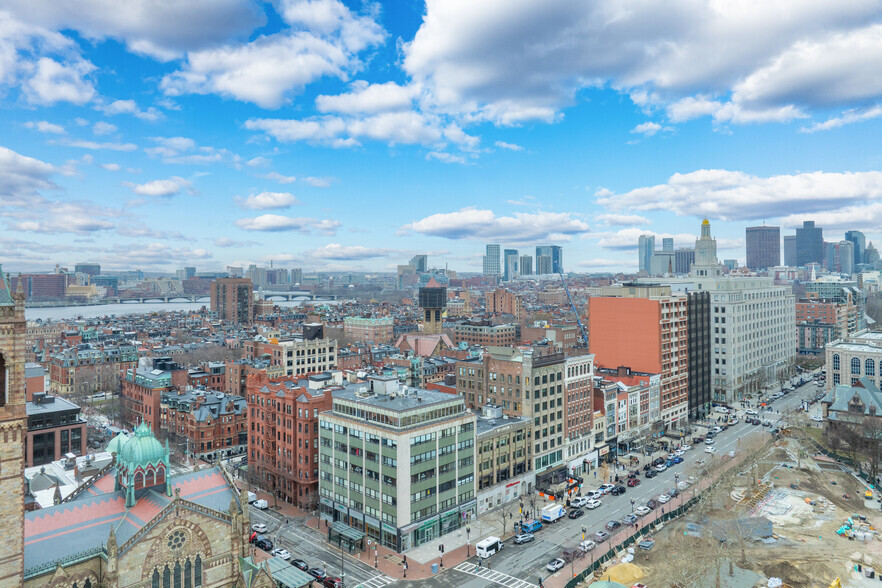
x: 595, y: 474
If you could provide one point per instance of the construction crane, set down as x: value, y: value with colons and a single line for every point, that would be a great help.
x: 582, y: 334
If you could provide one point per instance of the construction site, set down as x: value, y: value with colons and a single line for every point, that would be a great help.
x: 782, y: 516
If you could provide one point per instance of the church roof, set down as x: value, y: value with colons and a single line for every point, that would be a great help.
x: 142, y: 449
x: 5, y: 293
x: 433, y: 283
x: 116, y: 443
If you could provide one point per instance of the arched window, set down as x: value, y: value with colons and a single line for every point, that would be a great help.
x: 197, y: 572
x: 160, y: 475
x: 88, y: 583
x: 155, y: 579
x: 835, y: 361
x: 149, y: 481
x: 855, y: 366
x: 869, y: 368
x: 139, y: 480
x: 178, y: 573
x: 188, y: 574
x: 166, y: 578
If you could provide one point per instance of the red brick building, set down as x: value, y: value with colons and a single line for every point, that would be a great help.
x: 233, y: 300
x: 485, y: 334
x: 205, y: 422
x: 55, y: 428
x: 283, y: 434
x: 142, y: 390
x: 502, y: 301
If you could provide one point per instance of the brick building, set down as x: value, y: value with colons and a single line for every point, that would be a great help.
x: 578, y: 410
x: 142, y: 389
x: 485, y: 334
x: 89, y: 368
x: 210, y: 424
x: 296, y: 356
x: 232, y: 299
x: 41, y: 286
x: 283, y: 417
x: 55, y: 428
x: 503, y: 301
x: 376, y: 329
x: 819, y: 322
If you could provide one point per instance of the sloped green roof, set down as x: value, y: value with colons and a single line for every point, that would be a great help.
x: 5, y: 294
x: 142, y: 449
x: 115, y: 445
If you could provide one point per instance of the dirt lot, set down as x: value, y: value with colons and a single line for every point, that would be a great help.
x: 806, y: 551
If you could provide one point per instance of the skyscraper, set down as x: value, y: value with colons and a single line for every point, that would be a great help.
x: 763, y: 247
x: 809, y: 244
x: 526, y: 265
x: 510, y: 264
x: 790, y: 250
x: 557, y: 259
x: 667, y: 244
x: 860, y: 245
x: 683, y: 260
x: 645, y: 249
x: 420, y: 263
x: 233, y: 299
x: 491, y: 261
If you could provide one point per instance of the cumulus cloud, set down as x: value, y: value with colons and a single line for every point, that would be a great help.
x: 735, y: 195
x: 184, y: 150
x: 45, y: 127
x: 335, y: 251
x: 111, y: 166
x: 64, y: 217
x: 509, y: 146
x: 445, y: 157
x: 129, y: 107
x: 626, y: 239
x: 474, y: 223
x: 161, y: 188
x: 647, y: 129
x: 622, y: 219
x: 279, y: 223
x: 52, y: 81
x: 23, y: 177
x: 368, y: 98
x: 276, y: 176
x: 269, y: 68
x: 267, y: 201
x: 103, y: 128
x: 848, y: 117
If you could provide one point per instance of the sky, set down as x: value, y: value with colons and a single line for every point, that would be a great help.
x: 348, y: 136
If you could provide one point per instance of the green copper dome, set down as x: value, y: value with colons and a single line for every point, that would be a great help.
x: 116, y: 443
x: 142, y: 449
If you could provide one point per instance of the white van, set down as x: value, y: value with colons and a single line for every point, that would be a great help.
x: 487, y: 547
x: 721, y: 409
x: 261, y: 504
x: 251, y: 497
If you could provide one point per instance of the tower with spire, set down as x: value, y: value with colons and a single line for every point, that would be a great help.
x: 706, y: 262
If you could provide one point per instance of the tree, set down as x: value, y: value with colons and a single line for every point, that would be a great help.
x: 871, y: 430
x: 506, y: 513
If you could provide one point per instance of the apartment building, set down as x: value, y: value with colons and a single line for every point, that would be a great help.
x: 142, y: 388
x: 397, y: 464
x: 89, y: 368
x: 505, y: 452
x: 578, y: 411
x: 632, y: 408
x: 485, y: 334
x: 283, y: 417
x: 55, y: 428
x: 375, y: 329
x: 204, y: 422
x: 297, y: 356
x: 233, y: 300
x: 849, y: 359
x: 503, y: 301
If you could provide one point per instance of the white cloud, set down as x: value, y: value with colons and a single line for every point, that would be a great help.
x: 734, y: 195
x: 184, y: 150
x: 96, y: 146
x: 103, y: 128
x: 111, y: 166
x: 338, y: 252
x: 170, y: 146
x: 23, y: 177
x: 53, y: 82
x: 509, y: 146
x: 227, y: 242
x: 278, y: 223
x: 65, y: 217
x: 626, y: 239
x: 161, y: 188
x: 325, y: 40
x: 445, y: 157
x: 267, y: 201
x: 848, y: 117
x: 474, y: 223
x: 129, y: 107
x: 318, y: 182
x: 45, y: 127
x: 368, y: 99
x: 276, y: 176
x: 647, y: 129
x: 622, y: 219
x: 258, y: 162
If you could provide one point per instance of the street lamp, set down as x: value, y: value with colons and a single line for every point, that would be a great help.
x: 468, y: 544
x: 584, y: 530
x: 632, y: 506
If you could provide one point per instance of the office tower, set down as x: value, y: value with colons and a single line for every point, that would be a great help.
x: 763, y: 246
x: 543, y: 265
x: 662, y: 262
x: 845, y: 257
x: 420, y: 263
x: 557, y: 265
x: 809, y: 244
x: 186, y: 273
x: 698, y: 334
x: 645, y: 249
x: 510, y: 264
x: 668, y: 244
x: 706, y: 247
x: 683, y: 260
x: 491, y: 261
x: 433, y: 299
x: 790, y: 250
x: 830, y: 261
x: 860, y: 245
x: 232, y: 299
x: 526, y: 265
x: 92, y: 269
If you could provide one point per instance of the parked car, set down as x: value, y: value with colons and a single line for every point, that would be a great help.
x: 601, y: 536
x: 264, y: 544
x: 732, y: 453
x: 651, y: 474
x: 628, y: 519
x: 617, y: 490
x: 717, y: 430
x: 317, y: 573
x: 708, y: 441
x: 633, y: 482
x: 261, y: 504
x: 606, y: 488
x: 817, y: 419
x: 575, y: 513
x: 555, y: 564
x: 613, y: 525
x: 661, y: 467
x: 710, y: 449
x: 685, y: 447
x: 258, y: 528
x: 587, y: 545
x: 592, y: 504
x: 642, y: 511
x: 300, y: 564
x: 658, y: 460
x: 531, y: 526
x: 594, y: 495
x: 678, y: 459
x: 330, y: 582
x: 281, y: 552
x: 651, y: 504
x: 579, y: 501
x: 523, y: 538
x: 663, y: 498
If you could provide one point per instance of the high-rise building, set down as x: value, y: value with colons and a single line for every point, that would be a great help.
x: 420, y: 263
x: 845, y: 257
x: 763, y: 246
x: 510, y: 264
x: 683, y: 260
x: 92, y: 269
x: 645, y: 250
x: 492, y: 265
x: 13, y: 422
x: 809, y: 244
x: 667, y: 244
x: 860, y: 245
x: 233, y: 299
x: 526, y: 265
x: 433, y: 299
x: 698, y: 331
x: 706, y: 252
x: 543, y: 265
x: 186, y: 273
x: 790, y: 250
x: 555, y: 253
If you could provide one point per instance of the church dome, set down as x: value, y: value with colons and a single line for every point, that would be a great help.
x: 142, y: 449
x: 116, y: 443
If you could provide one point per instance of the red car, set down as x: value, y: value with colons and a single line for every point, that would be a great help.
x: 633, y: 482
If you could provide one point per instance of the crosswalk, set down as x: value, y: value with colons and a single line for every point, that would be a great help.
x: 492, y: 576
x: 376, y: 582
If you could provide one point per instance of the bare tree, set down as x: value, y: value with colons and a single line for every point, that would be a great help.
x: 506, y: 513
x: 871, y: 430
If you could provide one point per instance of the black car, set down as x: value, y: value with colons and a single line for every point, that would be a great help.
x: 651, y: 474
x: 617, y: 490
x: 300, y: 564
x: 658, y: 461
x: 264, y: 544
x: 613, y: 525
x: 317, y: 573
x: 576, y: 513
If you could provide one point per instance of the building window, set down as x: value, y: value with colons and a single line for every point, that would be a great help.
x: 855, y: 366
x: 870, y: 367
x: 835, y: 361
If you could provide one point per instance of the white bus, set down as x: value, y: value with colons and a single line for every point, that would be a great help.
x: 488, y: 547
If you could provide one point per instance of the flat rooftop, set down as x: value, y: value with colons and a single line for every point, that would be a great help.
x: 47, y: 407
x: 413, y: 399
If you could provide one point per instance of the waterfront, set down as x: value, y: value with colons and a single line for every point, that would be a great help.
x: 60, y: 313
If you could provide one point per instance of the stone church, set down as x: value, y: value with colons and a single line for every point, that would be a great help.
x: 132, y: 525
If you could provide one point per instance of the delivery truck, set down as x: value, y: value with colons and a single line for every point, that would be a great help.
x: 552, y: 512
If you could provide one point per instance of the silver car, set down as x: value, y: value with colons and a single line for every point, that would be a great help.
x: 555, y: 564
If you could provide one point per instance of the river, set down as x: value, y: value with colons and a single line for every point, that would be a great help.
x: 60, y: 313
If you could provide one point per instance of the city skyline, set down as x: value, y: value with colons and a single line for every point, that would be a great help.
x: 351, y: 137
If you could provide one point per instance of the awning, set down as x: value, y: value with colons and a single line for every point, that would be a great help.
x: 346, y: 531
x: 287, y: 575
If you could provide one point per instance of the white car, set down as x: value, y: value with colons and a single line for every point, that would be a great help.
x: 592, y: 504
x: 606, y: 488
x: 594, y: 495
x: 680, y: 452
x: 258, y: 528
x: 281, y: 552
x: 817, y: 419
x: 579, y: 501
x: 642, y: 511
x: 732, y: 453
x: 555, y: 564
x: 733, y: 421
x: 685, y: 447
x: 710, y: 449
x: 663, y: 498
x: 661, y: 467
x: 587, y: 545
x: 717, y: 429
x: 751, y: 412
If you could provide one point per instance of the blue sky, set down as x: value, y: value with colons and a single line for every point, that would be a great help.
x: 337, y: 135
